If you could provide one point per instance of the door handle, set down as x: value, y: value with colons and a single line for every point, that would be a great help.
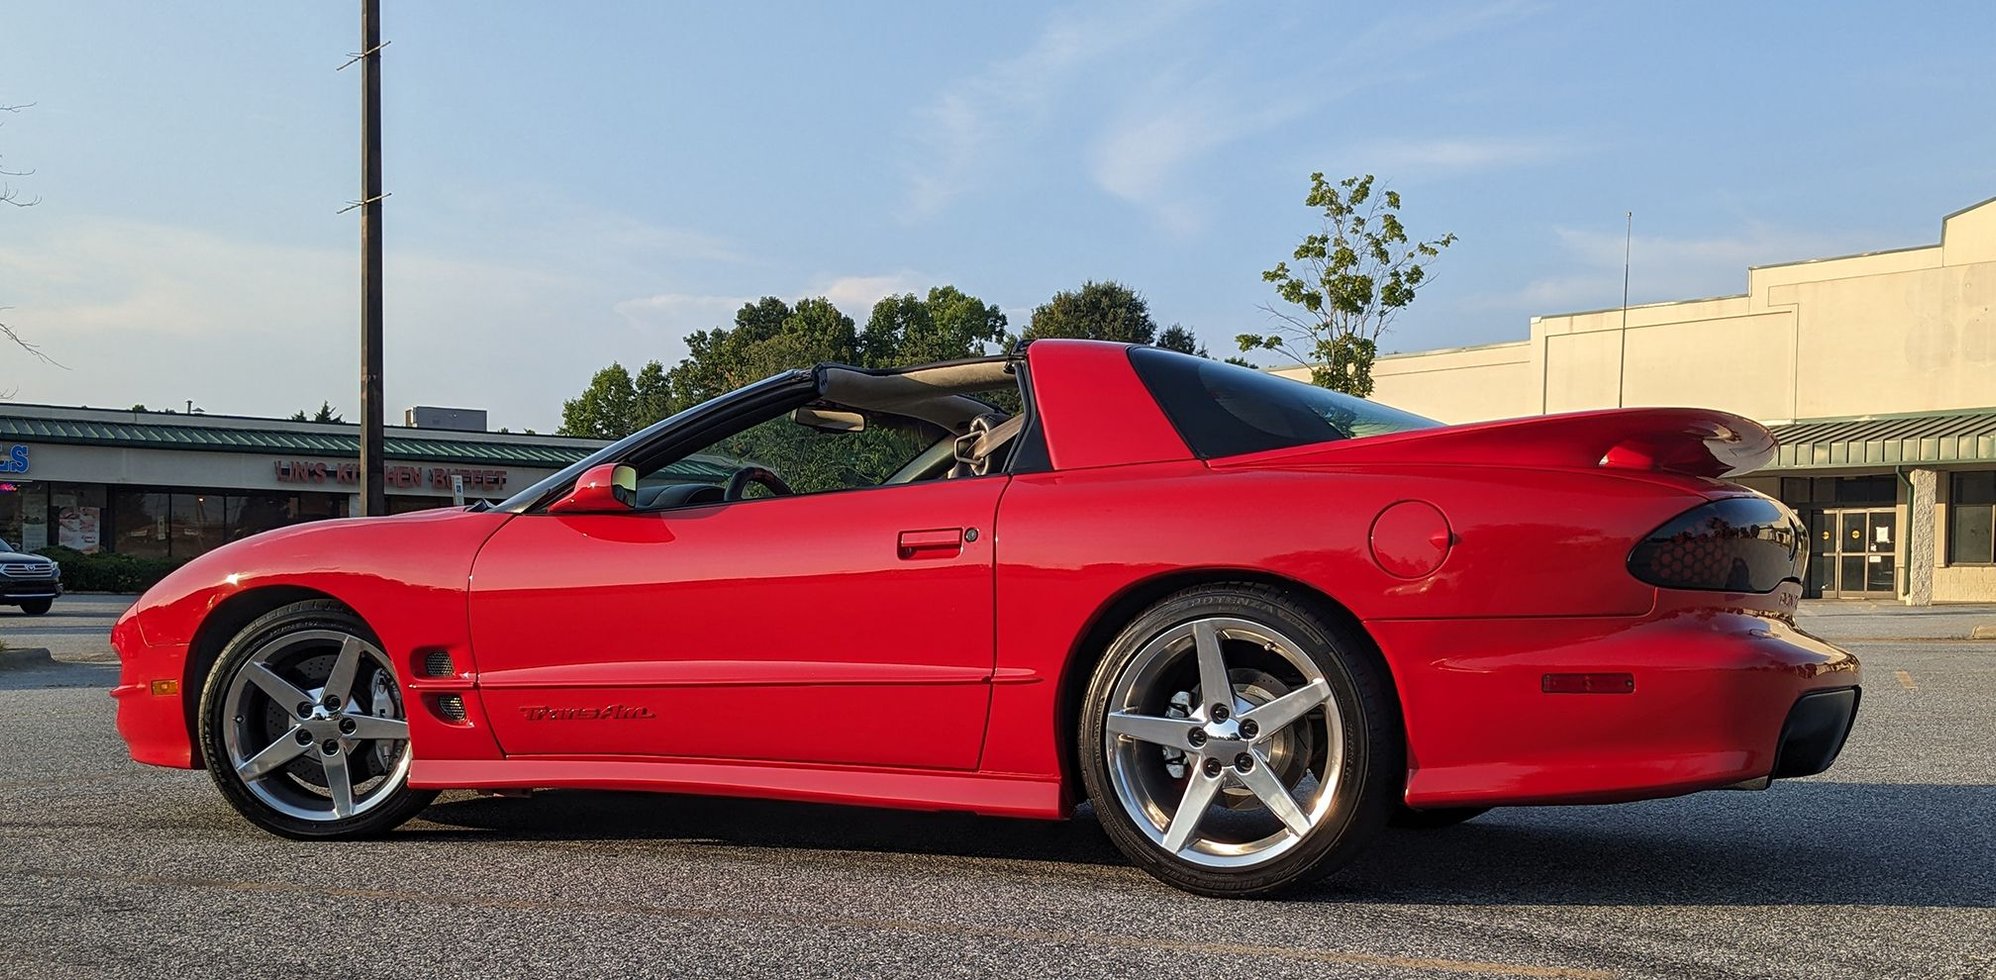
x: 938, y: 543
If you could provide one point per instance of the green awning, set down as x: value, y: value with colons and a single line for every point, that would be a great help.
x: 145, y: 435
x: 1901, y: 440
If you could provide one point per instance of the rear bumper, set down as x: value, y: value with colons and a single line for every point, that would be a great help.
x: 1720, y: 698
x: 1815, y: 731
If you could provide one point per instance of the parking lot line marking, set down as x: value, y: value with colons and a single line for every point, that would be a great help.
x: 1906, y: 680
x: 965, y: 930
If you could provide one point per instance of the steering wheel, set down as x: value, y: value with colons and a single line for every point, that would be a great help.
x: 739, y: 480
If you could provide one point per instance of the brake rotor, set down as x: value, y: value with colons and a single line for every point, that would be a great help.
x: 1289, y: 751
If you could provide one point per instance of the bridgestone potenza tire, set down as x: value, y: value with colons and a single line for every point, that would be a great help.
x: 395, y: 801
x: 1274, y: 645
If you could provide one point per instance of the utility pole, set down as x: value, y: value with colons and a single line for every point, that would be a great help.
x: 1622, y: 362
x: 374, y: 494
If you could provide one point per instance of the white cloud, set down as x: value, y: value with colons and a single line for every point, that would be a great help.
x: 959, y: 136
x: 157, y: 314
x: 855, y: 295
x: 1456, y: 155
x: 1661, y: 268
x: 676, y: 314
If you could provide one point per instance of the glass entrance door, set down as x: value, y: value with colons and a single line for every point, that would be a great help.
x: 1856, y: 554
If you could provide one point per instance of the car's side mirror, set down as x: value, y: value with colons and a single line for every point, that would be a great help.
x: 605, y: 489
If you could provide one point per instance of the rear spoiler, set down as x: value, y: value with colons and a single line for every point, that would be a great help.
x: 1691, y: 441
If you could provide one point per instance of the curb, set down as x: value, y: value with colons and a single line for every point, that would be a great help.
x: 26, y: 658
x: 1982, y: 633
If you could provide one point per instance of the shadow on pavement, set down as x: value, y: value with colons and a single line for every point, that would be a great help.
x: 1809, y: 843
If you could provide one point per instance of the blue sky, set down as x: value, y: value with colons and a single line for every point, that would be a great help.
x: 578, y: 183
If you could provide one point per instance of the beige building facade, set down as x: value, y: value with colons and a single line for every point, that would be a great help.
x: 1877, y: 371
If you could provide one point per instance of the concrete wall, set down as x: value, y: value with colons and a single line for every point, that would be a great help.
x: 1910, y: 330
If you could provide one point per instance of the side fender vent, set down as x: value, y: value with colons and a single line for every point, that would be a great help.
x: 449, y: 707
x: 437, y: 663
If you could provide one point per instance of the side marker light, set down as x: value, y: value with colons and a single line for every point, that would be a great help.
x: 1588, y: 684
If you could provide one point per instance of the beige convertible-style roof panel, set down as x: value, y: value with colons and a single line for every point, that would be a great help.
x: 938, y: 393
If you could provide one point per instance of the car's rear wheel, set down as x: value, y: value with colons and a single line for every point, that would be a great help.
x: 35, y: 607
x: 303, y: 726
x: 1407, y: 818
x: 1236, y: 741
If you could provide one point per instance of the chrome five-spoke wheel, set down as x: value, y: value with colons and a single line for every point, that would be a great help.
x: 1232, y: 741
x: 1224, y: 743
x: 317, y: 730
x: 304, y: 726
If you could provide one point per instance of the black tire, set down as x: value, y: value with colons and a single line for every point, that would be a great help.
x: 1407, y: 818
x: 401, y: 803
x: 36, y: 607
x: 1369, y: 779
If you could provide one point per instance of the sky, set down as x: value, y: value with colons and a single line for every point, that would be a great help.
x: 574, y: 184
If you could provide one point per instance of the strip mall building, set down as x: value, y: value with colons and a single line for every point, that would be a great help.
x: 1877, y: 372
x: 166, y: 485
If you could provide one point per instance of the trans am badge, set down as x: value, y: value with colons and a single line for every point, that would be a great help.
x: 608, y: 712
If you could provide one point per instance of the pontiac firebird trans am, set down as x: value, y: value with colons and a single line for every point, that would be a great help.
x: 1250, y: 620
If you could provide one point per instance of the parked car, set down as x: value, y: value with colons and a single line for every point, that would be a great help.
x: 1250, y: 620
x: 31, y: 582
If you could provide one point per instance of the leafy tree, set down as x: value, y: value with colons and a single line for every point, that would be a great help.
x: 946, y: 325
x: 603, y: 410
x: 324, y: 414
x: 770, y: 336
x: 1097, y: 311
x: 1108, y: 311
x: 1351, y: 278
x: 1181, y: 339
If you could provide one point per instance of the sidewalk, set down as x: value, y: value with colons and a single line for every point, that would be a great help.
x: 1884, y: 619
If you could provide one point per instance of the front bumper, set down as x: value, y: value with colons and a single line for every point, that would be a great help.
x: 152, y: 707
x: 18, y: 590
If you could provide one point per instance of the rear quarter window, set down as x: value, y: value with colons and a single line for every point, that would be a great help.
x: 1223, y: 409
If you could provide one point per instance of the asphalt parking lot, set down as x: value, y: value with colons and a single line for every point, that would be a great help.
x: 1883, y: 867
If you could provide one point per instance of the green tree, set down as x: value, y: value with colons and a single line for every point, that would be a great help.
x: 324, y: 414
x: 1351, y: 278
x: 1097, y: 311
x: 603, y: 410
x: 769, y: 336
x: 946, y: 325
x: 1182, y: 340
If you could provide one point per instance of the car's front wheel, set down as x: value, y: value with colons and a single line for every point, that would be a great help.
x: 1235, y: 741
x: 36, y: 607
x: 304, y: 729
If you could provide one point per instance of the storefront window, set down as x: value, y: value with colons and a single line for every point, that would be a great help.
x: 257, y: 512
x: 1971, y: 519
x: 200, y: 523
x: 139, y: 523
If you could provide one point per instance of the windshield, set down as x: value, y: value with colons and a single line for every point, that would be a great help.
x: 4, y: 546
x: 620, y: 451
x: 1223, y: 409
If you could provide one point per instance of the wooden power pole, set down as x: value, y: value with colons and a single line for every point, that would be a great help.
x: 374, y: 497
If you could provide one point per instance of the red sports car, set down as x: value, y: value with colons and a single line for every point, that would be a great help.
x: 1251, y: 621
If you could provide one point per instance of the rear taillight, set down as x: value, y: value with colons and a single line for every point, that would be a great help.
x: 1738, y: 544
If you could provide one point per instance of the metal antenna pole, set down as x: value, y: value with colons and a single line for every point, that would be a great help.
x: 374, y: 499
x: 1622, y: 361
